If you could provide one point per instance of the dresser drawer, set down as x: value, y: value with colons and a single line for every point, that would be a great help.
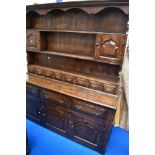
x: 56, y: 98
x: 32, y: 90
x: 89, y: 109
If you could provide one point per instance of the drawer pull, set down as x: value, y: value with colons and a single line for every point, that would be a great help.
x: 78, y: 107
x: 61, y: 101
x: 38, y: 112
x: 45, y: 96
x: 97, y: 113
x: 44, y: 114
x: 34, y: 91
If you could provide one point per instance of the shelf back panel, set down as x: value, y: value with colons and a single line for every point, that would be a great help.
x: 110, y: 20
x: 75, y: 65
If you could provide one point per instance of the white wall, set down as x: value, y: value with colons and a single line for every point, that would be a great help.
x: 30, y: 2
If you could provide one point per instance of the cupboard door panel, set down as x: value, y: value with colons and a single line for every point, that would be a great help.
x: 33, y: 109
x: 109, y: 46
x: 55, y: 118
x: 86, y: 131
x: 32, y: 40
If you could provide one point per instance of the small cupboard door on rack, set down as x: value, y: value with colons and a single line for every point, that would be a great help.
x: 32, y: 40
x: 55, y: 117
x: 86, y: 131
x: 110, y: 47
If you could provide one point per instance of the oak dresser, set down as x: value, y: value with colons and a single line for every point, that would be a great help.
x: 74, y: 57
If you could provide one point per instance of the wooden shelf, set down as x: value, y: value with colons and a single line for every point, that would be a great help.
x: 108, y: 81
x: 74, y: 91
x: 83, y: 57
x: 73, y: 31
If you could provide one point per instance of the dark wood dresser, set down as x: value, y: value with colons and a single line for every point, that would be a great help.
x: 75, y: 52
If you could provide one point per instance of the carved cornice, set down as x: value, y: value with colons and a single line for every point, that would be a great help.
x: 89, y: 10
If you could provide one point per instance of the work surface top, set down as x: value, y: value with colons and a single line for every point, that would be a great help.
x: 82, y: 93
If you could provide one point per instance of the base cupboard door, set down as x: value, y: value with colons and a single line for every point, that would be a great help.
x: 86, y: 131
x: 55, y: 118
x: 33, y: 109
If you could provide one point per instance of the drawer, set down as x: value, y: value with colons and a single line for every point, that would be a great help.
x: 32, y: 40
x: 56, y: 98
x: 32, y: 90
x: 89, y: 109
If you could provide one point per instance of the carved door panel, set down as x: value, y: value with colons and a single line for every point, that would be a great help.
x: 32, y: 40
x: 86, y: 131
x: 55, y: 117
x: 110, y: 47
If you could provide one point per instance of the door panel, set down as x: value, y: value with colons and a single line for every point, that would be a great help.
x: 55, y: 117
x: 86, y: 131
x: 110, y: 46
x: 33, y: 39
x: 33, y: 109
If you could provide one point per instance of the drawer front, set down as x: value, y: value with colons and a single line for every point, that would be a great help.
x: 86, y: 108
x: 55, y: 98
x: 32, y: 91
x: 32, y: 40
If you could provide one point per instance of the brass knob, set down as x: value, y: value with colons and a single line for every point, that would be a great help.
x: 45, y: 96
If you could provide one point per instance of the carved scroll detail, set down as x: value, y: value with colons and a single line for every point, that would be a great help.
x: 73, y: 79
x: 110, y: 48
